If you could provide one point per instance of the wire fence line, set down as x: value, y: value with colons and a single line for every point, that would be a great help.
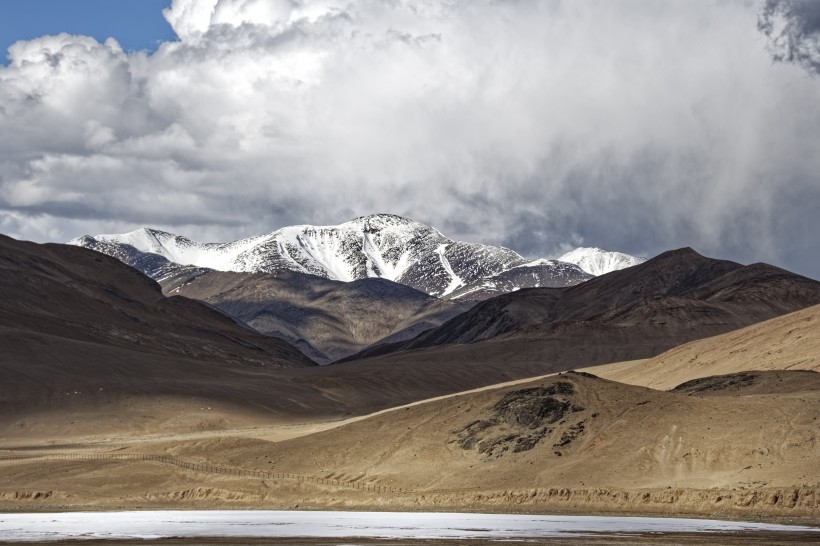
x: 208, y: 468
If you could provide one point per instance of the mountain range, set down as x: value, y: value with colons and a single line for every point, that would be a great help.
x: 333, y: 291
x: 377, y: 246
x: 633, y: 313
x: 445, y: 399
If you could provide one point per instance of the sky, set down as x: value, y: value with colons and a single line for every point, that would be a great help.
x: 136, y: 24
x: 540, y: 125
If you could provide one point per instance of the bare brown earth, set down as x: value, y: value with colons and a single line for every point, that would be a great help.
x: 565, y: 443
x: 790, y: 342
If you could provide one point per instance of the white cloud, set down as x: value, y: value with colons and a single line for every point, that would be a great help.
x: 632, y: 125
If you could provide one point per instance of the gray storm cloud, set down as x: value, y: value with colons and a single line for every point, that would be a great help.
x: 793, y: 29
x: 637, y: 126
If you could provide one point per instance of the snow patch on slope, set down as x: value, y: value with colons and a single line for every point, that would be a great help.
x: 320, y: 246
x: 378, y: 265
x: 455, y: 280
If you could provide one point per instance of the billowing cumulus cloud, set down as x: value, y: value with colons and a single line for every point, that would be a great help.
x: 630, y: 125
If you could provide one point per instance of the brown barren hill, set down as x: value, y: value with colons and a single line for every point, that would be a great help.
x: 327, y: 319
x: 673, y: 298
x: 80, y: 329
x: 790, y: 342
x: 570, y: 443
x: 578, y: 442
x: 635, y: 313
x: 578, y: 430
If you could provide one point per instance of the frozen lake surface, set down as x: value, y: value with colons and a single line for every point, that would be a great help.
x: 271, y: 524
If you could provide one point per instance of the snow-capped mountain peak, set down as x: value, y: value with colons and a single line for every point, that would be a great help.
x: 596, y: 261
x: 380, y: 245
x: 181, y: 250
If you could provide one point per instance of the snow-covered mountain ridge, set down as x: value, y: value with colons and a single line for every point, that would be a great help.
x: 598, y: 262
x: 381, y: 245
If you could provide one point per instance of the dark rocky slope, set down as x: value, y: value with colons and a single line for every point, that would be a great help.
x: 79, y: 325
x: 675, y: 297
x: 326, y: 319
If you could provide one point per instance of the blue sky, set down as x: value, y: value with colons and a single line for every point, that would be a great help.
x: 136, y: 24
